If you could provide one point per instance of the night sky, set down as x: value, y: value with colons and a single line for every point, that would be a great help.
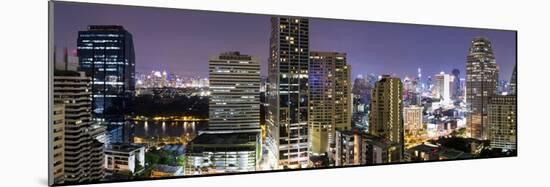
x: 181, y: 41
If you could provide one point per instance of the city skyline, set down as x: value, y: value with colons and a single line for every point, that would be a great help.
x: 173, y: 44
x: 307, y: 111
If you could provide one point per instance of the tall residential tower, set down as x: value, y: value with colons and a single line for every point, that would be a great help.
x: 329, y: 99
x: 386, y: 116
x: 287, y: 114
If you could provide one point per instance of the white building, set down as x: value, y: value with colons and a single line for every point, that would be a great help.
x: 412, y: 116
x: 234, y: 104
x: 122, y: 158
x: 443, y: 87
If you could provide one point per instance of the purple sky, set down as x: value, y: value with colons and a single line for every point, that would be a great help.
x: 180, y: 41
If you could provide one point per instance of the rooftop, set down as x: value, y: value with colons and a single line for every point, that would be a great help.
x: 230, y: 138
x: 120, y: 147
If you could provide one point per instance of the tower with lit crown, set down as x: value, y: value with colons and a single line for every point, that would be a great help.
x: 481, y: 84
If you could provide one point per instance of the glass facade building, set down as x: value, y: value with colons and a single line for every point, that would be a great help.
x: 106, y: 54
x: 288, y: 90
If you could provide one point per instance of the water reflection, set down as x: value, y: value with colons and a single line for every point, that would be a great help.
x: 167, y: 132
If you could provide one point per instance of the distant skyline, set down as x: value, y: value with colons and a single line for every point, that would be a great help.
x: 181, y: 41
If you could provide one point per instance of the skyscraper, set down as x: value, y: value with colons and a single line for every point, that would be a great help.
x: 443, y: 86
x: 234, y: 118
x: 235, y: 93
x: 481, y: 83
x: 456, y: 88
x: 502, y: 120
x: 386, y: 120
x: 513, y: 82
x: 83, y: 151
x: 288, y: 90
x: 106, y: 54
x: 329, y: 99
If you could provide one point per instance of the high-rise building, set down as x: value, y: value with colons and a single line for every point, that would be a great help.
x: 57, y: 150
x: 456, y: 86
x: 235, y: 93
x: 83, y: 151
x: 386, y: 120
x: 329, y: 99
x: 502, y: 119
x: 287, y: 113
x: 481, y: 84
x: 513, y: 82
x: 443, y: 87
x: 412, y: 118
x: 234, y: 118
x: 106, y: 54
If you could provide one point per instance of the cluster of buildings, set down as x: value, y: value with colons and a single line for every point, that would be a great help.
x: 314, y: 116
x: 91, y: 90
x: 163, y: 79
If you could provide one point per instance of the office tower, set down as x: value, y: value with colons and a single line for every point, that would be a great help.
x: 288, y: 91
x: 412, y: 118
x: 385, y: 119
x: 443, y: 87
x: 57, y: 144
x: 83, y: 151
x: 513, y: 82
x: 329, y: 99
x: 481, y: 83
x: 106, y: 54
x: 456, y: 88
x: 502, y: 119
x: 235, y: 93
x: 234, y: 118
